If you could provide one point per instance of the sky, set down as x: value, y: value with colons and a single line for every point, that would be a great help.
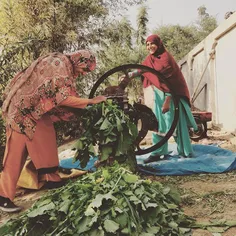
x: 182, y: 12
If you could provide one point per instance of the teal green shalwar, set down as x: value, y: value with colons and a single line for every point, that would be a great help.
x: 181, y: 134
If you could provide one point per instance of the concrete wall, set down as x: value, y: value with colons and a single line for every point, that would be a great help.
x: 211, y: 67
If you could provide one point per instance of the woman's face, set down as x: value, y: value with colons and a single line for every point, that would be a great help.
x: 151, y: 47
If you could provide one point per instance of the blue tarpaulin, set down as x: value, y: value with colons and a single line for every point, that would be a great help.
x: 69, y: 163
x: 207, y: 159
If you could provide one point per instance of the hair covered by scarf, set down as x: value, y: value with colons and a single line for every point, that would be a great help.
x: 83, y: 59
x: 154, y: 38
x: 41, y: 88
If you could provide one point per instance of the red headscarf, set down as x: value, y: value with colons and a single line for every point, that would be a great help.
x: 41, y: 88
x: 163, y: 62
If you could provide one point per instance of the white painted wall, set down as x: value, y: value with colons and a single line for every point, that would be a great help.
x: 226, y: 81
x: 219, y: 75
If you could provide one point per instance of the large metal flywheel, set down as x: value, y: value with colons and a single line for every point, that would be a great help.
x: 110, y: 85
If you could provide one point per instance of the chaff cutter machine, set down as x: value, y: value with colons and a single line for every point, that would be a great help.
x: 110, y: 86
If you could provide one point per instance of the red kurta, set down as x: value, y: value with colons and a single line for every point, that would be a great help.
x: 31, y: 100
x: 163, y: 62
x: 42, y: 150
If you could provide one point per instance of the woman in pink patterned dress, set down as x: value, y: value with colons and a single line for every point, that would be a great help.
x: 34, y: 99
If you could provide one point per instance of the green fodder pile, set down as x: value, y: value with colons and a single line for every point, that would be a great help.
x: 110, y: 201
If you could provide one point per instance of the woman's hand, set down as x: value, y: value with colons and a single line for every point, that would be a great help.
x: 166, y: 105
x: 98, y: 99
x: 121, y: 78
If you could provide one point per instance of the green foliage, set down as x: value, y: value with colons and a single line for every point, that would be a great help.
x: 205, y: 23
x: 119, y: 33
x: 116, y: 46
x: 58, y: 26
x: 111, y: 130
x: 179, y: 40
x: 28, y: 31
x: 15, y: 57
x: 142, y: 20
x: 111, y: 201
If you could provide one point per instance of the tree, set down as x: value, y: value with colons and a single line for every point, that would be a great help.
x: 179, y: 40
x: 142, y: 20
x: 28, y: 31
x: 205, y: 23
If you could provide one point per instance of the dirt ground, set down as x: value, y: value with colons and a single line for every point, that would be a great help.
x: 205, y: 197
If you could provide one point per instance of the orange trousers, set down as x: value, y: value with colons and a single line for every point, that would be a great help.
x: 42, y: 150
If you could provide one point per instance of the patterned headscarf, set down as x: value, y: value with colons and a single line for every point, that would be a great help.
x: 83, y: 59
x: 41, y: 88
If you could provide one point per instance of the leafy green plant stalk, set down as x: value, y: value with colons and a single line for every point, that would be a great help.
x: 112, y: 131
x: 110, y: 201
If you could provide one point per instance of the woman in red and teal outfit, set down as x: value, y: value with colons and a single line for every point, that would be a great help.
x: 162, y: 61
